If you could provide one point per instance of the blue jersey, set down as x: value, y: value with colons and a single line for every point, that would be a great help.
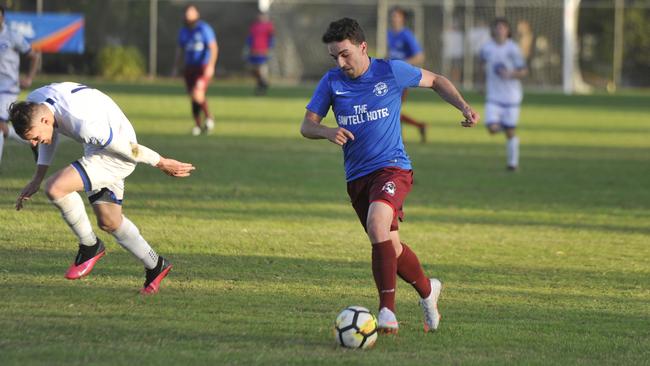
x: 402, y: 45
x: 196, y: 43
x: 369, y: 107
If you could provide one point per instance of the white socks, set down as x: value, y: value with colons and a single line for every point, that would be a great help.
x: 512, y: 151
x: 129, y: 237
x: 74, y: 214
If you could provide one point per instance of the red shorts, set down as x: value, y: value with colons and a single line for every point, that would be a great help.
x: 390, y: 185
x: 194, y: 78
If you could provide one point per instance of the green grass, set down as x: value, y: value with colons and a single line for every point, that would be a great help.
x: 546, y: 266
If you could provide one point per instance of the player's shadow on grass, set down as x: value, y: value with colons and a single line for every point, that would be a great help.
x: 251, y: 270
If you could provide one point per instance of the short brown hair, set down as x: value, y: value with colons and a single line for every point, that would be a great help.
x: 342, y: 29
x: 21, y: 115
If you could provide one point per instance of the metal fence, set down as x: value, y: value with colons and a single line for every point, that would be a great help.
x: 613, y: 36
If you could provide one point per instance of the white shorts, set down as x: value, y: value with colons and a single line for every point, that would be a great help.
x: 5, y: 101
x: 506, y: 115
x: 103, y: 176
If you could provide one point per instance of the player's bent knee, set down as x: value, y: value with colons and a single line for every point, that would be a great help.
x: 53, y: 189
x: 108, y: 224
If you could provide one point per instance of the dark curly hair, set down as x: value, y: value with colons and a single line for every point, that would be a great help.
x: 20, y: 115
x: 500, y: 20
x: 343, y: 29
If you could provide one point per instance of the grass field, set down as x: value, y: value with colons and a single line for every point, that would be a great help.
x: 549, y: 265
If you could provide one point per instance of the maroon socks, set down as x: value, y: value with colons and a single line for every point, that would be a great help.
x: 410, y: 270
x: 384, y: 270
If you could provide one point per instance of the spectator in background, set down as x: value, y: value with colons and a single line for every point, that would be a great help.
x: 197, y: 44
x: 260, y: 42
x: 479, y: 34
x: 525, y: 39
x: 452, y: 51
x: 12, y: 45
x: 402, y: 45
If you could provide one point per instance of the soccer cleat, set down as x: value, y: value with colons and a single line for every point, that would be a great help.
x: 196, y: 130
x: 387, y: 322
x: 512, y: 168
x: 430, y: 307
x: 85, y: 260
x: 155, y: 276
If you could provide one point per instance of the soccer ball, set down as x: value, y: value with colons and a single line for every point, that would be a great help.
x: 355, y: 327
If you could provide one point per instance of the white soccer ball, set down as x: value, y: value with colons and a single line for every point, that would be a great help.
x: 355, y: 327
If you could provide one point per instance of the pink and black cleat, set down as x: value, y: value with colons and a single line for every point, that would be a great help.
x: 86, y: 258
x: 155, y: 276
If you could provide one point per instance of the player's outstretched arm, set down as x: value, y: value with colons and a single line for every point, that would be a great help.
x: 32, y: 187
x: 312, y: 128
x: 175, y: 168
x: 451, y: 95
x: 141, y: 154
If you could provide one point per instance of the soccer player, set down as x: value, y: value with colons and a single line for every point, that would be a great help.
x: 260, y: 42
x: 504, y: 66
x: 198, y: 45
x: 365, y: 96
x: 111, y: 152
x: 12, y: 45
x: 402, y: 45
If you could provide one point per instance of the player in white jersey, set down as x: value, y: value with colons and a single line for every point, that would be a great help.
x: 111, y: 153
x: 504, y: 66
x: 12, y: 45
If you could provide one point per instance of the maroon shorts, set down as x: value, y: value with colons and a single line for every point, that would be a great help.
x: 390, y: 185
x: 194, y: 78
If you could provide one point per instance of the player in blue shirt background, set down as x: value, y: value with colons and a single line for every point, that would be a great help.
x: 365, y: 96
x: 197, y: 45
x: 402, y: 45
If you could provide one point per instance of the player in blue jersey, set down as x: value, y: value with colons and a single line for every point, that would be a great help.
x: 504, y: 67
x: 402, y: 45
x: 365, y: 96
x: 197, y: 45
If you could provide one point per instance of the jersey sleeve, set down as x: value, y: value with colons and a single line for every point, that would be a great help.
x: 208, y: 33
x: 46, y: 152
x: 322, y: 99
x: 407, y: 75
x: 414, y: 46
x: 517, y: 59
x: 21, y: 44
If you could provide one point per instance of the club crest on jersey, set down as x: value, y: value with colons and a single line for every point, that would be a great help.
x: 390, y: 188
x: 380, y: 89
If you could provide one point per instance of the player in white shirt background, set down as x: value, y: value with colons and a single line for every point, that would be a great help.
x: 12, y: 45
x: 504, y: 67
x: 111, y: 152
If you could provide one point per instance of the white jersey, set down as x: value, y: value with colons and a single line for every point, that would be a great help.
x: 84, y: 114
x: 12, y: 44
x: 502, y: 56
